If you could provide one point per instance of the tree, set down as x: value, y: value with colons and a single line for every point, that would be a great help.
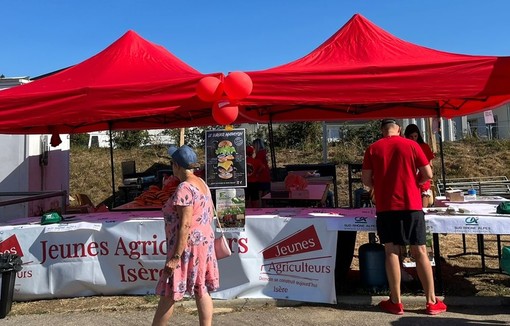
x: 298, y: 135
x: 130, y: 139
x: 366, y: 134
x: 193, y: 137
x: 79, y: 140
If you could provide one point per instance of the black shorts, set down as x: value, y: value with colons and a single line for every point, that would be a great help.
x: 252, y: 191
x: 401, y: 227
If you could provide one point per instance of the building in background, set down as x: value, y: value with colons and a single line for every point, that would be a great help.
x: 156, y: 137
x: 491, y: 124
x: 30, y: 164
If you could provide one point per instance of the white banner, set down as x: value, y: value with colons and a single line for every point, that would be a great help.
x: 285, y: 253
x: 282, y: 258
x: 123, y: 257
x: 120, y: 253
x: 468, y: 224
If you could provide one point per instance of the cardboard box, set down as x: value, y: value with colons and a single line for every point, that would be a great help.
x: 299, y: 194
x: 279, y: 194
x: 455, y: 195
x: 278, y: 190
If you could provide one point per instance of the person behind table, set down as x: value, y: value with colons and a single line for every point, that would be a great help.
x: 191, y: 266
x: 413, y: 132
x: 265, y: 175
x: 253, y: 170
x: 389, y: 166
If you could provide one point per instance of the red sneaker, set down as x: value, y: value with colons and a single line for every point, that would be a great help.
x: 393, y: 308
x: 436, y: 308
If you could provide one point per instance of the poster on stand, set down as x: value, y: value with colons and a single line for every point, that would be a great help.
x: 225, y: 157
x: 230, y: 207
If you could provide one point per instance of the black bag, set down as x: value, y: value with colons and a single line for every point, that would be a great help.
x: 10, y: 262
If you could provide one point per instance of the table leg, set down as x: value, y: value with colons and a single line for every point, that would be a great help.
x: 498, y: 239
x: 481, y: 250
x: 345, y: 245
x: 464, y: 248
x: 437, y: 258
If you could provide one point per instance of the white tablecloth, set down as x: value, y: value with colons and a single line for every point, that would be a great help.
x: 286, y: 253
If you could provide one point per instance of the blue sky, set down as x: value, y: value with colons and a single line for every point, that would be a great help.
x: 38, y: 37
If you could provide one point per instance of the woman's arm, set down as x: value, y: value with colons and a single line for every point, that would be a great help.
x: 425, y: 174
x: 366, y: 178
x: 185, y: 215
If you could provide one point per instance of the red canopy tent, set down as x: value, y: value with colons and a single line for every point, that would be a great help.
x: 363, y: 72
x: 132, y: 84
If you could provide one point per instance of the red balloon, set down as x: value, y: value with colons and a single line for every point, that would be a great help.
x: 224, y: 112
x: 237, y: 85
x: 209, y: 89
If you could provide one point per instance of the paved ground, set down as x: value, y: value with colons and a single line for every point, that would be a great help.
x: 350, y: 311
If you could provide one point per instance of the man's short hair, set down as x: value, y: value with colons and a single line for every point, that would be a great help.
x: 388, y: 121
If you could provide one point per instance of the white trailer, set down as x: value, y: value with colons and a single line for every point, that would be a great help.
x: 30, y: 164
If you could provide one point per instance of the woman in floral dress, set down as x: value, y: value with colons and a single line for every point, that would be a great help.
x: 191, y: 266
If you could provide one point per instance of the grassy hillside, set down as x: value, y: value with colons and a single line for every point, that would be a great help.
x: 91, y: 169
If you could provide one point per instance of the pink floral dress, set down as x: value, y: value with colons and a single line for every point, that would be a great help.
x: 197, y: 272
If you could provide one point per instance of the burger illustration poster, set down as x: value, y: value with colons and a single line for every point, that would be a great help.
x: 225, y: 158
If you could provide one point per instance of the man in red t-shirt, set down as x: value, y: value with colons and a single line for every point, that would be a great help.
x: 389, y: 167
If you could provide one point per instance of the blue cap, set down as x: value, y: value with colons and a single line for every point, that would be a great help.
x: 183, y: 156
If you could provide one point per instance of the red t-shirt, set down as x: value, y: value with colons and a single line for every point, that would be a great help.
x: 430, y: 156
x: 394, y: 161
x: 253, y: 169
x: 265, y: 175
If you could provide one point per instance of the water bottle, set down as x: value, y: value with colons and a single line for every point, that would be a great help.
x: 471, y: 194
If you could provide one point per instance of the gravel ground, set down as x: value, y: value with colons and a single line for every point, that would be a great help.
x: 362, y: 311
x: 277, y: 316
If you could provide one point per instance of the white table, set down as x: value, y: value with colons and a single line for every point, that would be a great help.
x: 316, y: 196
x: 480, y: 219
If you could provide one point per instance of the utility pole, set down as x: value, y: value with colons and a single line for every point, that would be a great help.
x: 431, y: 138
x: 181, y: 137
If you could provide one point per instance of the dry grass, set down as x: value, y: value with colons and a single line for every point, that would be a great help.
x: 91, y: 169
x: 87, y: 304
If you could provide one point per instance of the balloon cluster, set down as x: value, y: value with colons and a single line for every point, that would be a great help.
x: 236, y: 86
